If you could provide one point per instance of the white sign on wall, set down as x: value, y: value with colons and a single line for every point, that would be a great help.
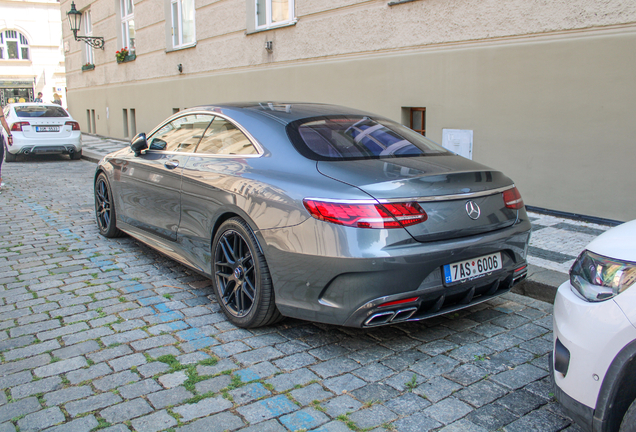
x: 458, y: 141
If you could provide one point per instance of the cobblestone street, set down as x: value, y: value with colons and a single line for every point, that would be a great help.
x: 110, y: 335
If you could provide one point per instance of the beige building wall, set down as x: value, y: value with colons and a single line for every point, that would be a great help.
x: 547, y: 88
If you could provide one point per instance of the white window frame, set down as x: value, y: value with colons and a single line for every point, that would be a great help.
x: 127, y: 17
x: 268, y: 14
x: 87, y: 21
x: 177, y: 34
x: 19, y: 38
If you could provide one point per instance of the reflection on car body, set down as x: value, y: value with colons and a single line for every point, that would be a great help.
x: 314, y: 211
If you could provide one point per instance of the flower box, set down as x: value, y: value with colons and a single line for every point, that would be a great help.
x: 127, y: 58
x: 88, y: 67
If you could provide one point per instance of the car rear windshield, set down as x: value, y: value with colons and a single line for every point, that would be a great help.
x: 355, y: 137
x: 40, y: 111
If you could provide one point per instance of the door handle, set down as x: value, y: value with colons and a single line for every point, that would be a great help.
x: 171, y: 164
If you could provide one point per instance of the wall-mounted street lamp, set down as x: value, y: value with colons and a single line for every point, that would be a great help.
x: 75, y: 21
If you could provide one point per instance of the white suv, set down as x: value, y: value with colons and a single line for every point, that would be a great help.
x: 594, y: 358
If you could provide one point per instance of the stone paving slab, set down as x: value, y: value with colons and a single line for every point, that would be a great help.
x: 99, y: 333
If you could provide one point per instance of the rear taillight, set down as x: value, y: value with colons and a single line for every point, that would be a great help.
x: 512, y: 199
x: 73, y: 124
x: 366, y: 214
x: 17, y: 126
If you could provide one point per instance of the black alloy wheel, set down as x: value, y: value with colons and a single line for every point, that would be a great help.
x: 242, y: 282
x: 104, y: 209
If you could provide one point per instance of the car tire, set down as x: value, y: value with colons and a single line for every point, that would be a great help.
x: 105, y: 209
x: 242, y: 282
x: 76, y: 155
x: 9, y: 157
x: 629, y: 420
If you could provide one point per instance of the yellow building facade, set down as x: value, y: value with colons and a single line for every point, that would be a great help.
x: 546, y: 89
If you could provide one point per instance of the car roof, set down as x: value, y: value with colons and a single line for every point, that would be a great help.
x: 284, y: 112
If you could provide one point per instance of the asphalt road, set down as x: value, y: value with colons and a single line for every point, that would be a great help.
x: 107, y: 334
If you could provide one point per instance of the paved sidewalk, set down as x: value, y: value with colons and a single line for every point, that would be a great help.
x: 95, y: 147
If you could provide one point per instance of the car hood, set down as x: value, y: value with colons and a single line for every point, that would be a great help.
x: 618, y: 242
x: 421, y: 179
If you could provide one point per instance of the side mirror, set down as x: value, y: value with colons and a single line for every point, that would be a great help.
x: 139, y: 144
x: 158, y: 144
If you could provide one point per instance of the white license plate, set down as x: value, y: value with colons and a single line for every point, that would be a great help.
x: 47, y: 128
x: 472, y: 268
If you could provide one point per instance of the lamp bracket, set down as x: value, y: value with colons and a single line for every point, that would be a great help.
x: 94, y: 41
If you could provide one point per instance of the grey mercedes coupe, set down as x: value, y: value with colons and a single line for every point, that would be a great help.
x: 317, y: 212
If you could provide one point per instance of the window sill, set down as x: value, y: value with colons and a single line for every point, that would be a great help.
x: 399, y: 2
x: 128, y: 58
x: 16, y: 61
x: 273, y: 27
x: 181, y: 47
x: 88, y: 67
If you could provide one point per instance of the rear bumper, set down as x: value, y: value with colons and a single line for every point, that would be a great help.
x: 337, y: 275
x: 437, y: 300
x: 67, y: 145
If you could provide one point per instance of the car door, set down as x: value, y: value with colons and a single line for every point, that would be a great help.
x: 151, y: 182
x: 216, y: 176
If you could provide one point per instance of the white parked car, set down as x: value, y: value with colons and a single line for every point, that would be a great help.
x: 594, y: 358
x: 41, y: 129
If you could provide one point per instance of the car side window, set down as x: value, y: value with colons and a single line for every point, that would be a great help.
x: 181, y: 134
x: 224, y: 138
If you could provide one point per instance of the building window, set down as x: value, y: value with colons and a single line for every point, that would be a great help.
x: 127, y: 10
x: 183, y: 32
x: 272, y: 13
x: 418, y: 120
x: 133, y: 122
x: 89, y: 59
x: 125, y: 112
x: 88, y: 120
x: 13, y: 46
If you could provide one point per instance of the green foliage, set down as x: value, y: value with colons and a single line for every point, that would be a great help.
x: 212, y: 361
x: 410, y: 385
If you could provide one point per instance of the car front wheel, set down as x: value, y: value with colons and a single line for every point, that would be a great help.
x: 105, y: 208
x: 629, y: 420
x: 242, y: 282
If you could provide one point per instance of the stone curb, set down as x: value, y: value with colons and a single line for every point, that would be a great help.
x: 541, y: 283
x: 91, y: 156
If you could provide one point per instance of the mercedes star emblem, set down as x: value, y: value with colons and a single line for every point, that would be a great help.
x: 473, y: 210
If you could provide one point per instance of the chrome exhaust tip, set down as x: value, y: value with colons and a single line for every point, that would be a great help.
x: 403, y: 314
x: 379, y: 318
